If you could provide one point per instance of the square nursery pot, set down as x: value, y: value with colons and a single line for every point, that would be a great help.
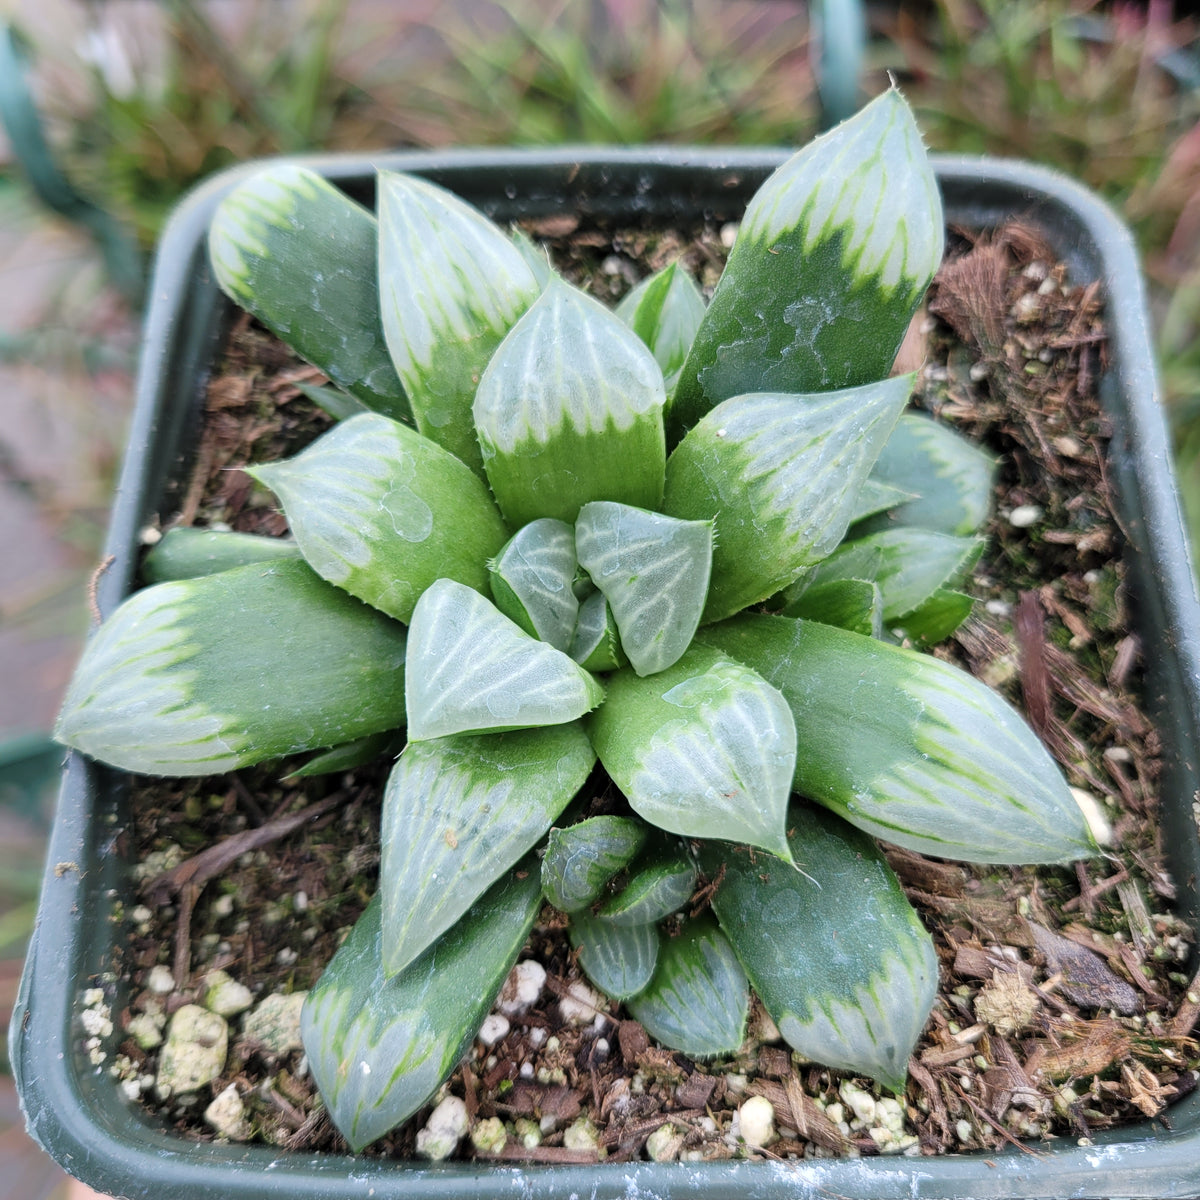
x: 78, y: 1113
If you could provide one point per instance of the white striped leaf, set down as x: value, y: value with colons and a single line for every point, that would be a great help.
x: 909, y: 565
x: 665, y: 310
x: 451, y: 285
x: 876, y: 496
x: 382, y: 512
x: 595, y: 643
x: 657, y: 888
x: 299, y: 254
x: 909, y: 748
x: 948, y: 477
x: 583, y: 857
x: 618, y: 959
x: 705, y: 749
x: 831, y: 260
x: 835, y: 951
x: 472, y: 670
x: 781, y: 474
x: 460, y: 811
x: 379, y: 1048
x: 654, y: 571
x: 699, y: 998
x: 211, y: 674
x: 570, y: 410
x: 532, y: 581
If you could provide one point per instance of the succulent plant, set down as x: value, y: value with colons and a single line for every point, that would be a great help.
x: 697, y: 544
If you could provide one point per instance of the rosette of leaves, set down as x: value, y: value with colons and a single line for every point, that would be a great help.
x: 534, y: 543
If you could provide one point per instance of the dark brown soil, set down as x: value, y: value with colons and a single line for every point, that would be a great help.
x: 1062, y: 1010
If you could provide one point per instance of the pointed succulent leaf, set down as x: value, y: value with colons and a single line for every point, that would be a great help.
x: 535, y: 256
x: 451, y: 285
x: 382, y: 512
x: 658, y: 887
x: 460, y: 811
x: 473, y: 671
x: 699, y: 998
x: 378, y: 1047
x: 583, y: 857
x: 350, y: 755
x: 854, y: 604
x: 188, y: 553
x: 909, y: 565
x: 781, y: 475
x: 290, y: 248
x: 570, y: 410
x: 532, y: 581
x: 332, y: 401
x: 937, y: 618
x: 596, y: 644
x: 618, y: 959
x: 208, y: 675
x: 665, y: 311
x: 835, y: 951
x: 704, y: 749
x: 831, y: 260
x: 875, y: 496
x: 654, y: 571
x: 909, y: 748
x: 950, y: 478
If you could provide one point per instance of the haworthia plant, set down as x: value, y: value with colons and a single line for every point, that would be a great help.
x: 300, y: 255
x: 572, y: 593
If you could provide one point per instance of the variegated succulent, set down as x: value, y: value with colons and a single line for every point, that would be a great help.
x: 686, y: 541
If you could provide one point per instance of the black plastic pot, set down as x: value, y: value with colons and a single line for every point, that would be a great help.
x: 77, y: 1112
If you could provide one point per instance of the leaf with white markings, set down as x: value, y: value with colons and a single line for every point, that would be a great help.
x: 658, y: 887
x: 570, y: 410
x: 699, y: 999
x: 532, y: 581
x: 704, y: 749
x: 835, y: 952
x: 654, y: 571
x: 781, y: 475
x: 211, y: 674
x: 451, y: 285
x: 908, y: 565
x: 949, y: 478
x: 290, y: 248
x: 457, y: 813
x: 618, y: 959
x: 595, y: 643
x: 665, y: 311
x: 854, y: 604
x: 379, y: 1048
x: 582, y: 858
x: 473, y: 671
x: 831, y: 260
x: 937, y: 763
x: 382, y: 512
